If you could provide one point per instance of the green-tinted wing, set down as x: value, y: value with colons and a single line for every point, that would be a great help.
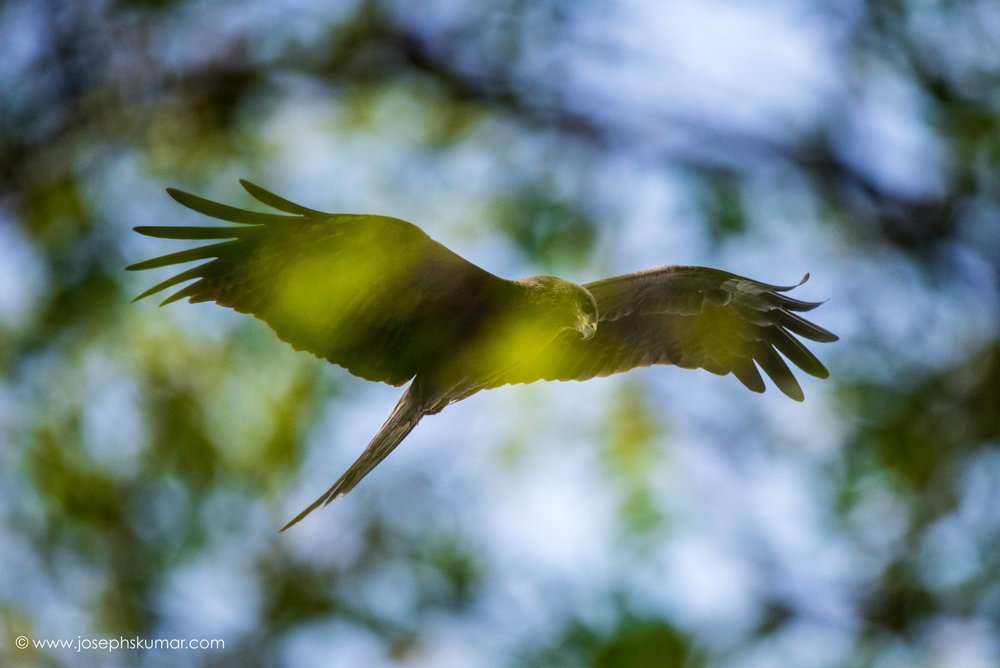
x: 692, y: 317
x: 373, y: 294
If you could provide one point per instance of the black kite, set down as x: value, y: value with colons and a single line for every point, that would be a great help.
x: 379, y: 297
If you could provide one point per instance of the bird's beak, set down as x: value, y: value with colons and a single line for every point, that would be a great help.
x: 588, y: 329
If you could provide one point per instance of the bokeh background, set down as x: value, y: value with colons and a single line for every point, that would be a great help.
x: 659, y: 518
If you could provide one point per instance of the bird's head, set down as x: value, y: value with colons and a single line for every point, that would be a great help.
x: 563, y: 304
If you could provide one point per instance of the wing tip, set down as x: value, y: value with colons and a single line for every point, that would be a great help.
x: 278, y: 202
x: 171, y: 299
x: 786, y: 288
x: 144, y: 294
x: 142, y: 266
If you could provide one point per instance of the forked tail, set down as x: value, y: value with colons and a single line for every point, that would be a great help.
x: 401, y: 422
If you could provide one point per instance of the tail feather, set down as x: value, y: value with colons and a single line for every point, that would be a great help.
x: 401, y: 422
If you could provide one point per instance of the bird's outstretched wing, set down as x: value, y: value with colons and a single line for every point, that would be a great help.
x: 692, y: 317
x: 373, y: 294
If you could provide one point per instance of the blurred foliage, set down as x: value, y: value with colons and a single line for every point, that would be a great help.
x: 632, y: 453
x: 634, y: 643
x: 551, y: 232
x: 140, y: 446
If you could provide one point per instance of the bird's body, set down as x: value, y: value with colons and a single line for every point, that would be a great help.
x: 380, y: 298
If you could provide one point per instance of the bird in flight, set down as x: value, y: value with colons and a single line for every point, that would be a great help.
x: 380, y: 298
